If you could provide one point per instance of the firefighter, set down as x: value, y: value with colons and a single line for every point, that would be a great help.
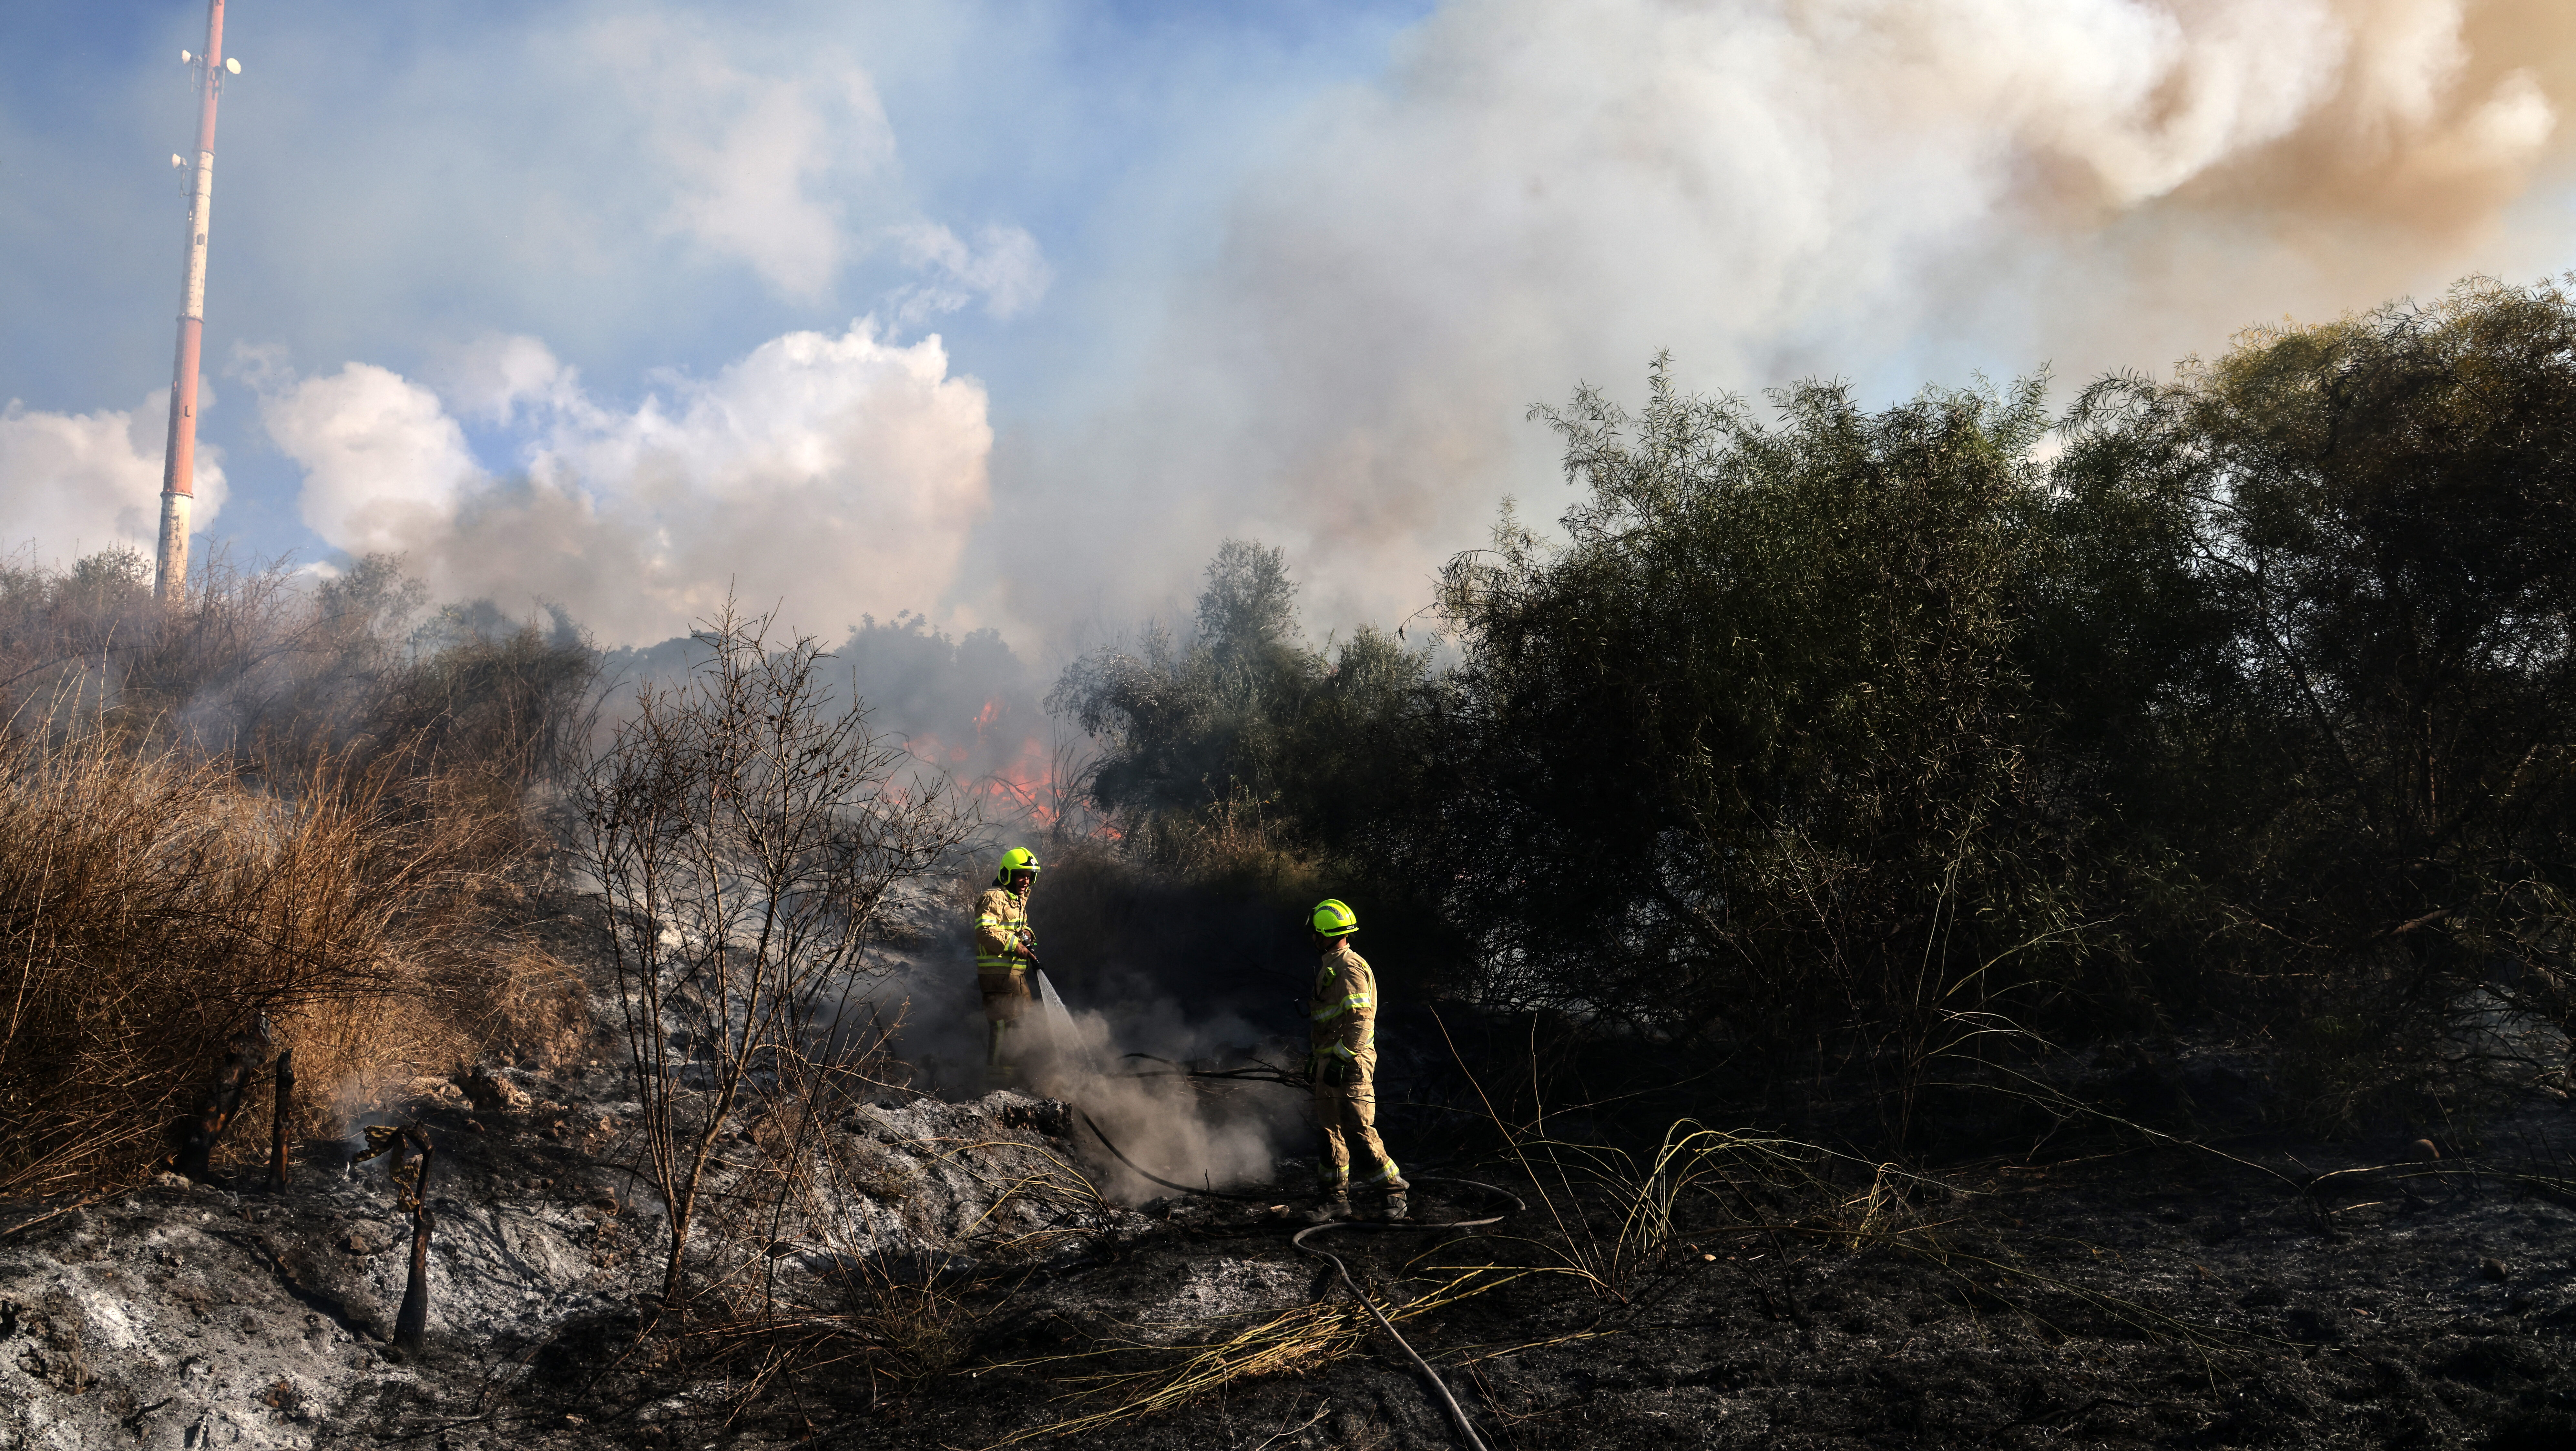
x: 1342, y: 1059
x: 1005, y: 955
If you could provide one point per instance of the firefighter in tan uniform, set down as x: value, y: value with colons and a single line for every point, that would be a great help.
x: 1005, y: 956
x: 1342, y: 1039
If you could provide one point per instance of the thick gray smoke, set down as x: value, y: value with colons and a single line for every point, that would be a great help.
x: 1540, y: 193
x: 1118, y: 1055
x: 964, y: 707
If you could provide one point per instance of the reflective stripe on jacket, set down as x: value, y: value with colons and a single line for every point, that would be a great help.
x: 1342, y: 1013
x: 1001, y: 930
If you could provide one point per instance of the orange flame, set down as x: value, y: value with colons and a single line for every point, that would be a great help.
x: 1025, y: 784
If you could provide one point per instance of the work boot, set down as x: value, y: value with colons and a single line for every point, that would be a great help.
x: 1336, y: 1204
x: 1395, y: 1202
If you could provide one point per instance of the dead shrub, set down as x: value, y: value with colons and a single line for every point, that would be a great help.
x: 539, y: 1008
x: 304, y: 800
x: 748, y: 832
x: 153, y: 904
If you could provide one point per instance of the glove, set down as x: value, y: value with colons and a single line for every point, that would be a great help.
x: 1333, y: 1070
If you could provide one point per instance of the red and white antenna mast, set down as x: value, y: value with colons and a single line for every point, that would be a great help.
x: 179, y: 464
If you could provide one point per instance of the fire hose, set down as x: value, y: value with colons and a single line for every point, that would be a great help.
x: 1457, y: 1413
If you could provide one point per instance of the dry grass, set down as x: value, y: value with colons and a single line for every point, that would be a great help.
x: 539, y: 1008
x: 1293, y: 1342
x: 152, y: 905
x: 305, y: 800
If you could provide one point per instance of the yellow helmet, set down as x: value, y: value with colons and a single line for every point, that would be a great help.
x: 1017, y: 859
x: 1333, y: 918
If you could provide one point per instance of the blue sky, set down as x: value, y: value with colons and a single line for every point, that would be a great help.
x: 358, y: 126
x: 618, y: 304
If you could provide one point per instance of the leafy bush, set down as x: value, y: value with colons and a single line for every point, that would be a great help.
x: 1243, y: 771
x: 2354, y: 626
x: 1750, y: 748
x: 2251, y: 699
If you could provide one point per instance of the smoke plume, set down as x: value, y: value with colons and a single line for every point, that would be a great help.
x: 1324, y: 333
x: 1540, y: 193
x: 1185, y: 1130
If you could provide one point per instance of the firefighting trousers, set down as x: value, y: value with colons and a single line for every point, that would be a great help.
x: 1007, y: 998
x: 1348, y: 1117
x: 1006, y: 995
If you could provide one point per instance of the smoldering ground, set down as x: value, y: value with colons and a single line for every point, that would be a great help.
x: 1141, y: 1017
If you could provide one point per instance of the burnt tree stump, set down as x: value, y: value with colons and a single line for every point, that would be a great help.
x: 412, y: 1152
x: 205, y: 1128
x: 277, y: 1176
x: 411, y: 1325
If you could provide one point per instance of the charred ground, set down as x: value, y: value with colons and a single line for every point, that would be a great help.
x: 2243, y: 1289
x: 2214, y: 1285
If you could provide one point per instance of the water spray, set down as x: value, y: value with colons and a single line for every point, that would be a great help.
x: 1059, y: 1020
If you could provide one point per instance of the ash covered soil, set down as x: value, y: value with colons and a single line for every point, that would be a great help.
x: 2104, y: 1294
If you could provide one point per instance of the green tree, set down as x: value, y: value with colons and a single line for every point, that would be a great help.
x: 1749, y: 746
x: 2370, y: 769
x: 1243, y: 717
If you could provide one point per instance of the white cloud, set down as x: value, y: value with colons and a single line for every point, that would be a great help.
x: 840, y: 475
x: 384, y: 464
x: 76, y: 483
x: 494, y: 378
x: 1007, y: 269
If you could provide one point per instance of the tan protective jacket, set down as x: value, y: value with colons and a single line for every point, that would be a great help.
x: 1343, y: 1010
x: 1001, y: 930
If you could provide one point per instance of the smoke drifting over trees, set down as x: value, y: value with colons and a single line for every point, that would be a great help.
x: 2248, y: 706
x: 1882, y: 191
x: 1815, y: 688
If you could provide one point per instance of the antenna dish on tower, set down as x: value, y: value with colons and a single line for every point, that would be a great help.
x: 187, y: 57
x: 176, y: 161
x: 232, y: 65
